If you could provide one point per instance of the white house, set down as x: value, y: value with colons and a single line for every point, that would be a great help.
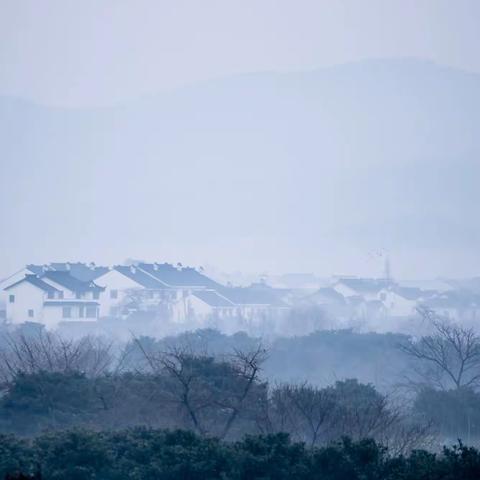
x: 67, y: 292
x: 52, y: 298
x: 125, y: 285
x: 181, y: 279
x: 11, y: 279
x: 437, y: 285
x: 326, y: 296
x: 367, y: 288
x: 202, y: 306
x: 402, y: 301
x: 455, y: 305
x: 81, y: 271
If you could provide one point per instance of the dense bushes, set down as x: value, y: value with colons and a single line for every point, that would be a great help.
x: 52, y: 383
x: 455, y: 413
x: 212, y: 398
x: 141, y: 453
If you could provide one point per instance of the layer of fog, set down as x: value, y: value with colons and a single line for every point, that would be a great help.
x: 298, y: 172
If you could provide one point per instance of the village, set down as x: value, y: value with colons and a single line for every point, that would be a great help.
x: 162, y: 298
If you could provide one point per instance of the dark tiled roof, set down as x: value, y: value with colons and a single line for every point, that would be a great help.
x: 366, y: 285
x: 253, y: 295
x: 34, y: 280
x: 410, y: 293
x: 82, y: 271
x: 326, y: 295
x: 140, y: 277
x: 455, y: 299
x: 37, y: 269
x: 213, y: 299
x: 71, y: 283
x: 79, y: 270
x: 178, y: 277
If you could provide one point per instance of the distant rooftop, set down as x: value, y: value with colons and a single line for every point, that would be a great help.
x: 366, y: 285
x: 326, y: 295
x: 411, y: 293
x: 454, y: 300
x: 36, y: 281
x: 65, y: 279
x: 212, y: 298
x: 177, y: 277
x: 256, y: 294
x: 82, y: 271
x: 140, y: 277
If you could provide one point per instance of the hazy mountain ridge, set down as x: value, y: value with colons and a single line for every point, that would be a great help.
x: 274, y: 154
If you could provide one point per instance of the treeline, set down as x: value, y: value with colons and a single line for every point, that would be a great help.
x: 219, y: 386
x: 319, y: 358
x: 52, y: 384
x: 210, y: 399
x: 145, y: 454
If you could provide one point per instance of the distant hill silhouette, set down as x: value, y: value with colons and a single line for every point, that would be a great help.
x: 376, y: 154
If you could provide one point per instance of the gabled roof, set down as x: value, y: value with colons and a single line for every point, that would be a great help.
x: 326, y: 295
x: 454, y: 299
x: 81, y: 271
x: 36, y: 281
x: 36, y: 269
x: 366, y: 285
x: 212, y: 298
x: 409, y: 293
x: 256, y: 294
x: 71, y: 283
x: 178, y: 277
x: 439, y: 285
x: 140, y: 277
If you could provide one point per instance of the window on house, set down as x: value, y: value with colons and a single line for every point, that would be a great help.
x: 96, y: 295
x: 67, y: 312
x: 81, y: 311
x: 11, y: 298
x: 30, y: 313
x: 78, y: 295
x: 51, y: 294
x: 91, y: 312
x: 114, y: 294
x: 60, y: 294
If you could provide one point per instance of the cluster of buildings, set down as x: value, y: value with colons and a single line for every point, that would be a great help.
x: 66, y: 293
x: 365, y: 298
x: 77, y: 293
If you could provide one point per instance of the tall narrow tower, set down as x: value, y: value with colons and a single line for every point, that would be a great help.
x: 386, y: 268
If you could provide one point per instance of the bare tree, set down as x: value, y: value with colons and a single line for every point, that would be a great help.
x: 404, y: 436
x: 453, y: 352
x: 360, y: 411
x: 210, y: 394
x: 49, y: 352
x: 246, y: 366
x: 303, y: 411
x: 319, y: 415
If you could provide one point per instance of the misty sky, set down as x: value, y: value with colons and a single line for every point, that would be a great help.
x: 185, y: 171
x: 92, y: 52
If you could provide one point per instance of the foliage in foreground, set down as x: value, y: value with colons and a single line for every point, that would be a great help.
x: 142, y: 453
